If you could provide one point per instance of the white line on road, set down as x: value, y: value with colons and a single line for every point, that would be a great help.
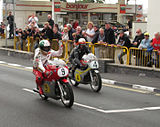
x: 16, y: 65
x: 2, y: 62
x: 29, y: 68
x: 108, y: 111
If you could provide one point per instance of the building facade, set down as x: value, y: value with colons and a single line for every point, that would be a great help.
x: 68, y: 12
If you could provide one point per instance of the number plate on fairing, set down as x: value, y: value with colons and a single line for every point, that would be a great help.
x: 94, y: 65
x: 63, y: 72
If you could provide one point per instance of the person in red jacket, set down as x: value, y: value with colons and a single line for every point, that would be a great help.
x: 156, y: 45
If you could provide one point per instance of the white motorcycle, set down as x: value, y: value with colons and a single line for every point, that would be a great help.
x: 89, y: 75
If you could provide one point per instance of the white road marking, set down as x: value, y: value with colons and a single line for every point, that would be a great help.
x: 2, y: 62
x: 16, y: 65
x: 108, y: 111
x: 29, y: 68
x: 28, y: 90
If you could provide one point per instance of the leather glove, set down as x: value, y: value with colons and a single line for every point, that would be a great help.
x: 47, y: 73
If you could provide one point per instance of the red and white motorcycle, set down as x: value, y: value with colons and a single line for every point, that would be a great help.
x: 57, y: 86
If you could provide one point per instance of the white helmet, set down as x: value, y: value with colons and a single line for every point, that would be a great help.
x: 45, y: 45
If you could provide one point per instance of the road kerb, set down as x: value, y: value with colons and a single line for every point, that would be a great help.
x: 134, y: 86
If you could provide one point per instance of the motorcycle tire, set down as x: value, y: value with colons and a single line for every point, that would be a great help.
x: 96, y: 86
x: 68, y: 98
x: 43, y: 97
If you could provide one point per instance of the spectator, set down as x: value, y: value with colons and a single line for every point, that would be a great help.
x: 101, y: 40
x: 145, y: 43
x: 123, y: 41
x: 50, y: 21
x: 75, y: 24
x: 96, y: 35
x: 56, y: 34
x: 109, y: 39
x: 109, y: 34
x: 138, y: 38
x: 10, y: 19
x: 70, y: 31
x: 2, y: 28
x: 32, y: 19
x: 65, y: 36
x: 130, y: 26
x: 156, y: 45
x: 79, y: 34
x: 90, y: 32
x: 47, y: 31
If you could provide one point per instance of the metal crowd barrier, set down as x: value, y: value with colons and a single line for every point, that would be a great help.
x: 143, y: 57
x: 2, y: 36
x: 103, y: 51
x: 120, y: 54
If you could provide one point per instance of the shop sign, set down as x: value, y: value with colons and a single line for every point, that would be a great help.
x: 57, y: 6
x: 76, y: 6
x: 122, y: 9
x: 139, y: 13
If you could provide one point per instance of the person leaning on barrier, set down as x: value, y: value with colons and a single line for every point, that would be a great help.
x: 109, y: 34
x: 123, y: 41
x: 138, y: 38
x: 65, y: 36
x: 96, y: 35
x: 90, y: 32
x: 109, y: 39
x: 145, y: 43
x: 79, y: 34
x: 156, y: 46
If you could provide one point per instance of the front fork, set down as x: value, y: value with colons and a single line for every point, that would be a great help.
x: 91, y: 74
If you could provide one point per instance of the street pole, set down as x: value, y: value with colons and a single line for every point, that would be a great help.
x: 6, y: 23
x: 53, y: 15
x: 14, y: 24
x: 135, y: 9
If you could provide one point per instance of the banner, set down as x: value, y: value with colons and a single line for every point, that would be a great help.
x: 57, y: 6
x: 122, y: 9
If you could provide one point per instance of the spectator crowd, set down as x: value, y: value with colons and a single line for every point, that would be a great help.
x: 109, y: 35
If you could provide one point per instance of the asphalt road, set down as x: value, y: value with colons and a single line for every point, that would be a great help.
x: 112, y: 107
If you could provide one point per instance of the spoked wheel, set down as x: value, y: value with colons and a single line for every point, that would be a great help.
x: 67, y: 96
x: 96, y: 85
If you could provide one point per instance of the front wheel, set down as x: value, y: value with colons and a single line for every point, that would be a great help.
x: 96, y: 84
x: 67, y: 96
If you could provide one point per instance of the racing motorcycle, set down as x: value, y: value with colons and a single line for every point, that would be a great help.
x: 57, y: 86
x: 89, y: 75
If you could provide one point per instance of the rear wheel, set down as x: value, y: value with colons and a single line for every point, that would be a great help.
x: 96, y: 84
x: 67, y: 96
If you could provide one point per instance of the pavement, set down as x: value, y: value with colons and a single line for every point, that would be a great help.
x: 112, y: 107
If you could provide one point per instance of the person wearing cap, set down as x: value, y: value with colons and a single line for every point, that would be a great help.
x: 145, y: 43
x: 123, y: 41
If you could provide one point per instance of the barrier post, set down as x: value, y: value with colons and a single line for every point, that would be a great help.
x: 28, y: 38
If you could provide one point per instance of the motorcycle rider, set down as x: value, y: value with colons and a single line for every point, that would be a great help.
x: 41, y: 57
x: 76, y: 55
